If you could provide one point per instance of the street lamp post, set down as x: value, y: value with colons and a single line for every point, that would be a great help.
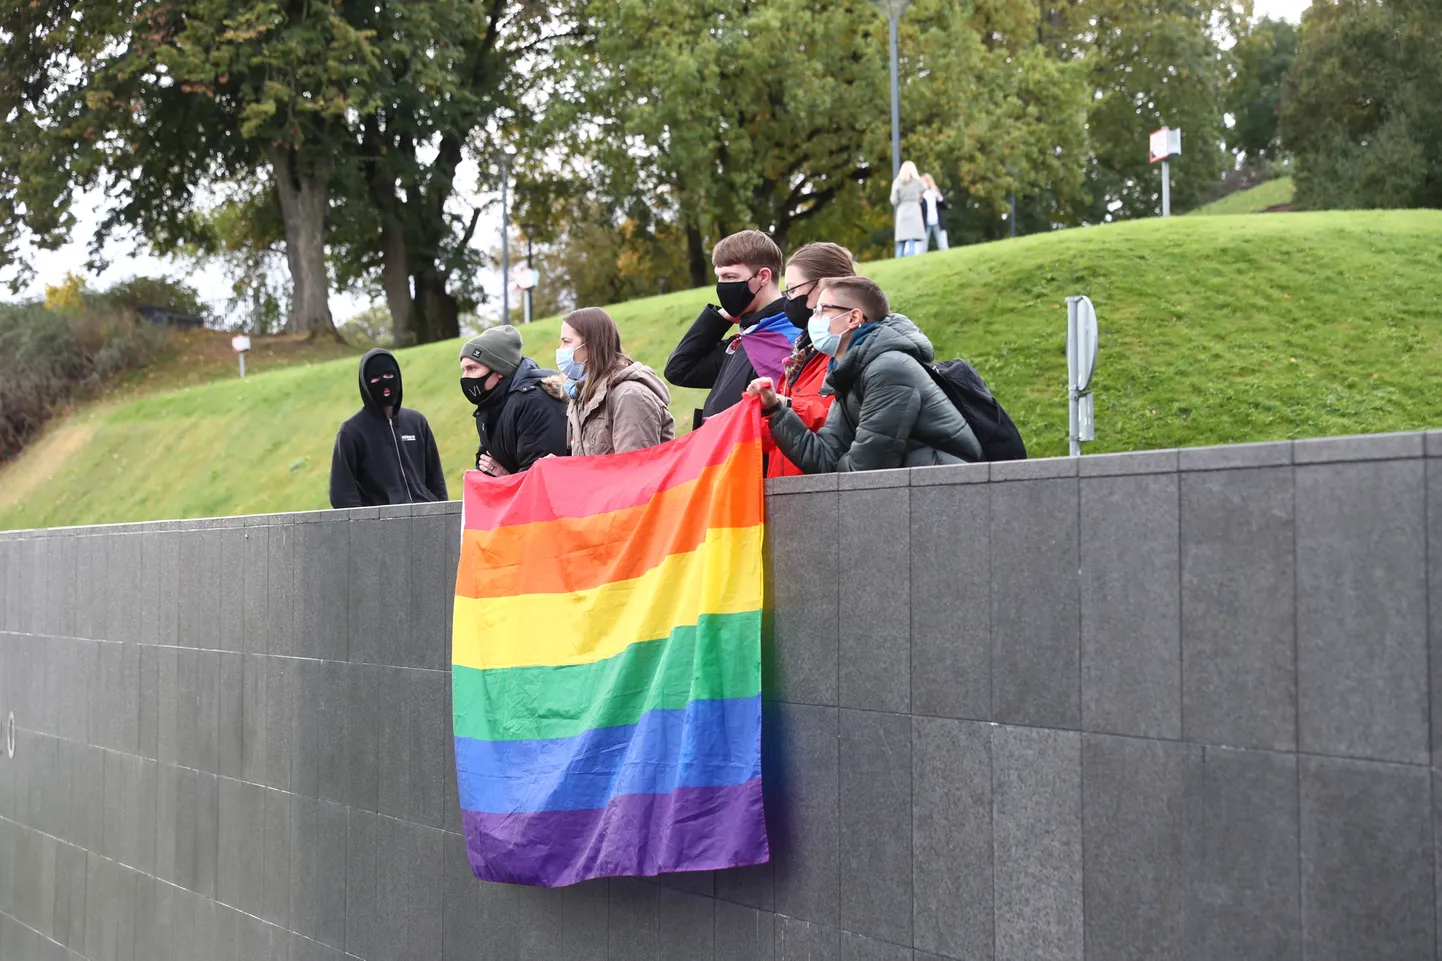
x: 893, y: 10
x: 505, y: 240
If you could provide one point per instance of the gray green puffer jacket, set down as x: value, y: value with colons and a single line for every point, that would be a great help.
x: 888, y: 411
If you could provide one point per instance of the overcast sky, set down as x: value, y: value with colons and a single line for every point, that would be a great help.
x: 127, y: 260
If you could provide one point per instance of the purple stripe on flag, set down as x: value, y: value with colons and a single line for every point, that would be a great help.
x: 767, y: 350
x: 691, y: 829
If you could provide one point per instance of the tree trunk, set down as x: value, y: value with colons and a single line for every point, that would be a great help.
x: 696, y: 256
x: 303, y: 199
x: 396, y: 277
x: 439, y: 316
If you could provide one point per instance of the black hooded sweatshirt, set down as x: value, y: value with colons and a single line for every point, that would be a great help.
x: 385, y: 460
x: 523, y: 419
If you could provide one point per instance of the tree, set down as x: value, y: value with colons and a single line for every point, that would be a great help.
x: 1263, y: 55
x: 1362, y: 114
x: 732, y: 114
x: 1157, y: 63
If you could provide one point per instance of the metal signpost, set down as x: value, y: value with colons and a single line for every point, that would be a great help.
x: 893, y: 10
x: 525, y: 284
x: 1081, y: 360
x: 1165, y: 144
x: 240, y: 343
x: 505, y: 241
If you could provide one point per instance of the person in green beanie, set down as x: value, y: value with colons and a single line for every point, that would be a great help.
x: 520, y: 406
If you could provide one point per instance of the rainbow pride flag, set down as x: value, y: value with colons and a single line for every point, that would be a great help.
x: 606, y: 661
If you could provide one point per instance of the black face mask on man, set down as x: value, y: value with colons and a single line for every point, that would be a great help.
x: 381, y: 376
x: 736, y: 295
x: 476, y: 390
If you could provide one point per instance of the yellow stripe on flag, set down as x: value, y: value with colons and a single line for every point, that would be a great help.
x: 722, y: 576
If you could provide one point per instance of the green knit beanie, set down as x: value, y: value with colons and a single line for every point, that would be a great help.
x: 499, y: 348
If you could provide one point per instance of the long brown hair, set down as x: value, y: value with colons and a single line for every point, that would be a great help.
x: 821, y: 260
x: 602, y: 340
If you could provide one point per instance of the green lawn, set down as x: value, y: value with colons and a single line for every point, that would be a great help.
x: 1253, y: 200
x: 1213, y: 330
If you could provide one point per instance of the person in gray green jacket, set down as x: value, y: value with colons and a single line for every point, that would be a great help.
x: 888, y: 411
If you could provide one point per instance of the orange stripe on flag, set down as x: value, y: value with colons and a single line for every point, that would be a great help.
x: 578, y: 553
x: 576, y: 487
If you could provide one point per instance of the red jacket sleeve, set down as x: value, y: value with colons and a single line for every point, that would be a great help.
x: 809, y: 405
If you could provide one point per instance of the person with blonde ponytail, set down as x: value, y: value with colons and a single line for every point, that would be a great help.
x: 906, y: 194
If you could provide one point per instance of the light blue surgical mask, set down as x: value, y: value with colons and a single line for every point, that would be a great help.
x: 567, y: 363
x: 819, y: 327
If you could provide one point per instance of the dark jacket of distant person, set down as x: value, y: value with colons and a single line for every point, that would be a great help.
x: 385, y: 453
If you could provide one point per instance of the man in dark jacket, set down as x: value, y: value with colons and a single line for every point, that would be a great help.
x: 520, y: 415
x: 384, y: 454
x: 888, y: 412
x: 711, y: 355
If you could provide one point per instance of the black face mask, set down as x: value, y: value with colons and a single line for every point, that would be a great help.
x: 377, y: 389
x: 736, y: 295
x: 797, y: 312
x: 476, y: 390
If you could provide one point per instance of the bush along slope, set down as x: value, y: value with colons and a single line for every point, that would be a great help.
x: 1213, y: 330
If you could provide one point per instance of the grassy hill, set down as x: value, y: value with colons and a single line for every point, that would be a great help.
x: 1253, y: 200
x: 1213, y: 330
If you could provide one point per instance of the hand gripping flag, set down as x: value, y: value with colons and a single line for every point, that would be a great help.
x: 607, y: 661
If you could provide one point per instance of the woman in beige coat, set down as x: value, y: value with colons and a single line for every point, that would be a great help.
x: 906, y: 194
x: 617, y: 404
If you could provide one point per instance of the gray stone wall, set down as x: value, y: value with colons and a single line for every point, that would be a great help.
x: 1170, y: 705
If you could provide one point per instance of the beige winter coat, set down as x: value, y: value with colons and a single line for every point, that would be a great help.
x: 628, y: 412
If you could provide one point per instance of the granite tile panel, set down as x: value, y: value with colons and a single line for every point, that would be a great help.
x: 1131, y: 606
x: 950, y: 601
x: 875, y: 652
x: 1362, y: 611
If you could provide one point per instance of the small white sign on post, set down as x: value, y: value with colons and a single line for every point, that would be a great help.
x: 1165, y: 144
x: 1081, y: 361
x: 240, y: 343
x: 528, y: 279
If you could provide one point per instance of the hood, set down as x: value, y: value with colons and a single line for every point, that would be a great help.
x: 555, y: 385
x: 894, y: 332
x: 529, y: 374
x: 372, y: 403
x: 639, y: 373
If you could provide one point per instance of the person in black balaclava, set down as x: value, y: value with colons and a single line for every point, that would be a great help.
x: 520, y: 406
x: 385, y: 454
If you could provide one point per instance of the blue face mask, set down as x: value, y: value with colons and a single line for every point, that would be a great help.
x: 819, y: 327
x: 567, y: 363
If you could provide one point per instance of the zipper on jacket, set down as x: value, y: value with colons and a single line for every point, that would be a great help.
x: 400, y: 460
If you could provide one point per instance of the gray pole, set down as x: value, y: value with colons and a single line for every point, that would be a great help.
x: 505, y: 243
x: 1166, y: 188
x: 1072, y: 393
x: 530, y: 265
x: 892, y: 19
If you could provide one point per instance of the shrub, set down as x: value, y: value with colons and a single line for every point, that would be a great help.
x: 50, y: 357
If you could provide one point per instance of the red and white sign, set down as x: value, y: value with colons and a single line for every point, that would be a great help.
x: 1165, y: 143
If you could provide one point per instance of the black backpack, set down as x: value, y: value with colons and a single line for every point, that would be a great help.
x: 999, y: 438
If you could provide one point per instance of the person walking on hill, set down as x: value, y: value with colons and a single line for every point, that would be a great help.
x: 888, y: 411
x: 713, y: 357
x: 933, y: 205
x: 385, y: 453
x: 520, y: 413
x: 906, y: 192
x: 617, y: 404
x: 800, y: 385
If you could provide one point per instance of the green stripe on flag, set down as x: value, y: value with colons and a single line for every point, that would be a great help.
x: 717, y: 658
